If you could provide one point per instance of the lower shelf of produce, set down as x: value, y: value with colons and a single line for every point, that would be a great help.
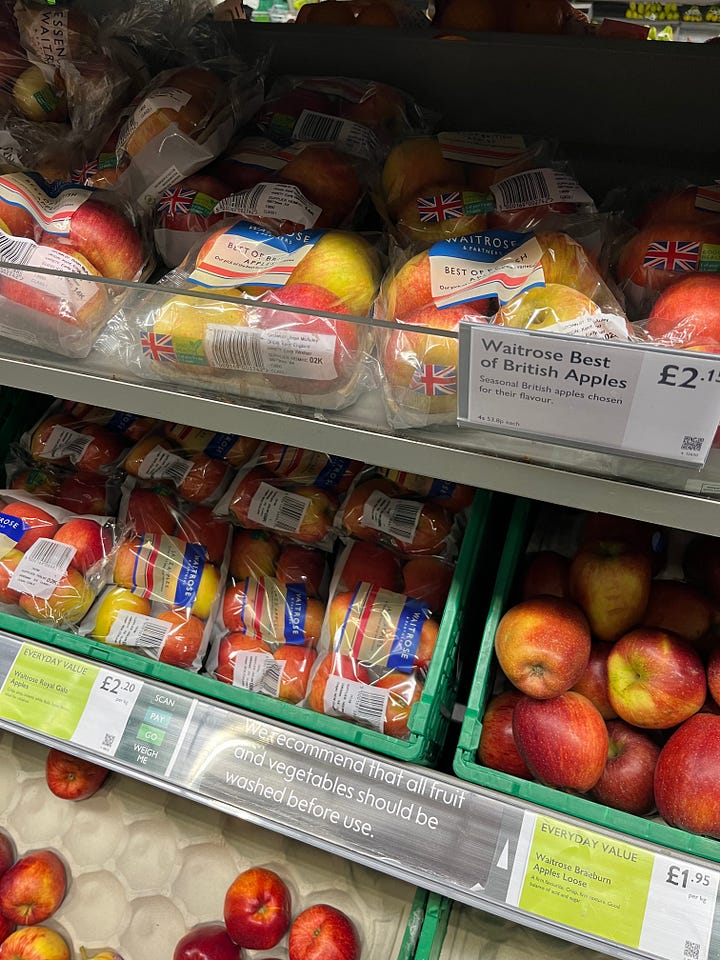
x: 501, y: 854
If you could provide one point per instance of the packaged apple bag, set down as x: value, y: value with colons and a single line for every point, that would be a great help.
x: 235, y: 450
x: 266, y: 316
x: 52, y: 562
x: 166, y: 579
x: 77, y: 233
x: 308, y: 467
x: 178, y: 124
x: 78, y: 492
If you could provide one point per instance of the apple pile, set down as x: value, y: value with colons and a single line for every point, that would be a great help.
x: 610, y: 668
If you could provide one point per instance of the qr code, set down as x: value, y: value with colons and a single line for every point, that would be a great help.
x: 692, y: 444
x: 691, y: 950
x: 108, y: 740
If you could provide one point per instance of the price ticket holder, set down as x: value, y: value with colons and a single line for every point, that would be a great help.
x: 619, y: 397
x: 594, y: 887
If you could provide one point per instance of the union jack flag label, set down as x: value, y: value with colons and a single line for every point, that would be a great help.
x: 158, y: 347
x: 434, y: 380
x: 444, y: 206
x: 676, y: 255
x: 176, y: 200
x: 86, y: 173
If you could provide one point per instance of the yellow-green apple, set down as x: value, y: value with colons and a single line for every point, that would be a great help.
x: 412, y: 164
x: 328, y: 178
x: 593, y: 682
x: 370, y: 563
x: 428, y: 580
x: 626, y: 783
x: 632, y: 266
x: 334, y: 665
x: 497, y: 748
x: 183, y: 640
x: 412, y: 226
x: 688, y: 312
x: 297, y: 661
x: 82, y: 493
x: 72, y: 778
x: 563, y: 740
x: 36, y: 521
x: 202, y: 88
x: 33, y: 888
x: 543, y: 646
x: 207, y: 941
x: 37, y: 98
x: 151, y: 512
x: 92, y: 542
x: 675, y: 205
x: 233, y: 646
x: 323, y: 932
x: 409, y: 289
x: 200, y: 525
x: 687, y: 776
x: 254, y: 553
x: 655, y: 679
x: 547, y: 574
x: 546, y: 307
x: 346, y: 265
x: 34, y: 943
x: 679, y: 608
x: 67, y: 604
x: 257, y: 909
x: 304, y: 565
x: 565, y: 261
x: 7, y: 853
x: 612, y: 585
x: 112, y: 601
x: 8, y: 565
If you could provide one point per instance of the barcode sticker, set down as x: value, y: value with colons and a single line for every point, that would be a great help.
x: 285, y: 353
x: 16, y: 249
x: 166, y: 98
x: 356, y: 138
x: 359, y: 701
x: 42, y: 568
x: 26, y: 252
x: 281, y: 201
x: 130, y: 629
x: 278, y: 509
x: 535, y: 187
x: 487, y: 149
x: 65, y: 443
x: 249, y: 668
x: 160, y: 464
x: 270, y: 685
x: 396, y: 518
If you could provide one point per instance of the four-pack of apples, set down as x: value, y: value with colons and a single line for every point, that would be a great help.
x: 320, y: 239
x: 310, y: 578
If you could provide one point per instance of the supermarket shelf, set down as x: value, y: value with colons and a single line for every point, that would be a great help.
x: 656, y: 492
x: 402, y: 820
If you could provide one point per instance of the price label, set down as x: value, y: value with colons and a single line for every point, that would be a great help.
x: 625, y: 398
x: 107, y: 711
x: 663, y: 906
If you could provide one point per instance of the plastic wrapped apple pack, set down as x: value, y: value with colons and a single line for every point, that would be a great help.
x: 133, y: 426
x: 437, y: 187
x: 52, y: 562
x: 70, y: 230
x: 377, y: 510
x: 262, y: 348
x: 308, y: 467
x: 198, y: 477
x: 362, y: 116
x: 258, y: 499
x: 185, y: 214
x: 81, y: 493
x: 233, y: 449
x: 181, y: 121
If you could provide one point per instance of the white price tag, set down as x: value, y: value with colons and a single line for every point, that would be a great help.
x: 107, y: 711
x: 281, y: 201
x: 42, y: 568
x: 397, y: 518
x: 278, y: 509
x: 625, y: 398
x: 680, y: 909
x: 160, y: 464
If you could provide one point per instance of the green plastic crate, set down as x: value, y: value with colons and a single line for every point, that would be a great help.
x: 465, y: 762
x: 430, y: 716
x: 432, y: 935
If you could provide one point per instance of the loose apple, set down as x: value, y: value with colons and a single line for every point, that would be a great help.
x: 687, y: 776
x: 257, y: 909
x: 497, y: 748
x: 7, y: 853
x: 546, y: 575
x: 627, y: 781
x: 679, y: 608
x: 612, y: 585
x: 207, y: 941
x: 593, y: 682
x: 543, y: 646
x: 33, y: 888
x: 563, y: 741
x: 34, y: 943
x: 323, y: 932
x: 72, y: 778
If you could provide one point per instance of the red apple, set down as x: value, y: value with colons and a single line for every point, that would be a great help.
x: 91, y: 541
x: 323, y: 932
x: 72, y: 778
x: 370, y: 563
x: 33, y: 888
x: 207, y: 941
x: 688, y: 312
x: 200, y: 525
x: 257, y: 909
x: 497, y: 748
x: 632, y: 266
x: 713, y: 674
x: 593, y: 682
x: 612, y: 585
x: 297, y: 661
x: 254, y: 553
x: 83, y: 493
x: 7, y: 853
x: 304, y: 565
x: 193, y: 214
x: 655, y: 679
x: 150, y: 512
x: 38, y: 523
x: 543, y: 646
x: 8, y: 566
x: 563, y: 741
x: 679, y: 608
x: 104, y: 451
x: 677, y: 205
x: 428, y: 580
x: 232, y: 645
x: 546, y: 575
x: 687, y: 776
x: 626, y: 782
x: 34, y: 943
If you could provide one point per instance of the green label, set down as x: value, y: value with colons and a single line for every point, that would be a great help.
x: 588, y: 881
x: 47, y: 99
x: 150, y: 735
x: 709, y: 258
x: 203, y: 204
x: 46, y: 691
x: 474, y: 203
x: 107, y: 161
x: 188, y: 350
